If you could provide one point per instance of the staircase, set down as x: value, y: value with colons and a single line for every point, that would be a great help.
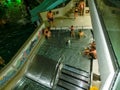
x: 72, y: 78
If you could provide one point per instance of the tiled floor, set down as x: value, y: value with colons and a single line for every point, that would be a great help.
x: 80, y: 21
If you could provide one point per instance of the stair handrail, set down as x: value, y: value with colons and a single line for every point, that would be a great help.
x: 56, y: 71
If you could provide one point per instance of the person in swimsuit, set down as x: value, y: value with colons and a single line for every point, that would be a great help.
x: 72, y: 31
x: 50, y: 17
x: 81, y: 34
x: 75, y: 13
x: 81, y: 7
x: 47, y: 32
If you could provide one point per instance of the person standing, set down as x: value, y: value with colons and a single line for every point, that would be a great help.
x: 81, y: 7
x: 75, y: 13
x: 50, y: 17
x: 72, y: 31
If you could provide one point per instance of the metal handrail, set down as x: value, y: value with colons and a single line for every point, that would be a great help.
x: 56, y: 71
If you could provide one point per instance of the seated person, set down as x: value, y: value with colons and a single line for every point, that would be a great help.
x: 90, y: 52
x: 81, y: 34
x: 86, y: 51
x: 93, y: 53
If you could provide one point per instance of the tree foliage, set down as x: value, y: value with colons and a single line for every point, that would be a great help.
x: 2, y: 11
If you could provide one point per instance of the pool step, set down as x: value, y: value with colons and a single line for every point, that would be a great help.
x: 76, y: 76
x: 72, y: 78
x: 77, y: 70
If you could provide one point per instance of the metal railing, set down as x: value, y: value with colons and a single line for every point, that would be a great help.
x: 21, y: 57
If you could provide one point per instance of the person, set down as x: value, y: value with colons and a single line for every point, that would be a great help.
x: 81, y: 7
x: 47, y: 32
x: 76, y: 5
x: 81, y: 34
x: 86, y: 51
x: 75, y: 13
x: 90, y: 52
x: 93, y: 53
x: 50, y: 17
x: 72, y: 31
x: 93, y: 45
